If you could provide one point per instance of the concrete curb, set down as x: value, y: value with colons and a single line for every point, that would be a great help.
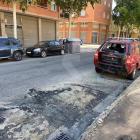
x: 99, y: 120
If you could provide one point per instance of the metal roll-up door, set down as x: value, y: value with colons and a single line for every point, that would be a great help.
x: 9, y: 30
x: 30, y: 30
x: 73, y: 35
x: 48, y: 29
x: 83, y: 36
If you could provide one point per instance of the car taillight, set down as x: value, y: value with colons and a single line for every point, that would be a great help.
x: 96, y: 55
x: 129, y: 61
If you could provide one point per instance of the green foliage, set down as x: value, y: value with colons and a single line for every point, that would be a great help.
x: 23, y: 3
x: 127, y: 13
x: 74, y: 6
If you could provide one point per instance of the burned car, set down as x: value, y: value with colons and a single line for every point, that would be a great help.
x: 118, y: 55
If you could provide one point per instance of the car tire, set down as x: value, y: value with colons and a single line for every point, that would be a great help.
x: 62, y: 52
x: 98, y: 70
x: 43, y: 54
x: 132, y: 75
x: 17, y: 56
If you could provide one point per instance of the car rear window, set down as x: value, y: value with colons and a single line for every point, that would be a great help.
x: 114, y: 47
x: 16, y: 42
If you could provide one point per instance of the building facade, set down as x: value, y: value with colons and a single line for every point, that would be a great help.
x: 36, y: 24
x: 93, y: 24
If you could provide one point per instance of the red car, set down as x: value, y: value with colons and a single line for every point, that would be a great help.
x: 118, y: 55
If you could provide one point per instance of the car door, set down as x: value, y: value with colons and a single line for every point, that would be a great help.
x: 5, y: 48
x: 51, y: 47
x: 57, y: 46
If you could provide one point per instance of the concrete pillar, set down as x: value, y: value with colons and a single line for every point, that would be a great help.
x: 89, y: 32
x: 2, y: 24
x: 78, y: 29
x: 57, y: 31
x: 39, y: 30
x: 107, y: 30
x: 99, y: 35
x: 64, y: 30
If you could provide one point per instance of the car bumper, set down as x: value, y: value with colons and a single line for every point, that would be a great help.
x: 32, y: 53
x: 112, y: 68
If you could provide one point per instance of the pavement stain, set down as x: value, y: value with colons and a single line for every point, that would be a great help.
x: 45, y: 111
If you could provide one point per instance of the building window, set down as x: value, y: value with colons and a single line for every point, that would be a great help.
x: 99, y: 13
x: 95, y: 25
x: 108, y: 16
x: 103, y: 27
x: 53, y: 6
x: 94, y: 37
x: 74, y: 25
x: 109, y: 4
x: 84, y: 24
x: 60, y: 25
x: 83, y: 13
x: 104, y: 15
x: 105, y: 2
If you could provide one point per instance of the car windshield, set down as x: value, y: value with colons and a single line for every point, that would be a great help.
x: 41, y: 43
x: 114, y: 47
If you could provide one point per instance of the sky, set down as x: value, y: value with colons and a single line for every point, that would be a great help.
x: 113, y: 5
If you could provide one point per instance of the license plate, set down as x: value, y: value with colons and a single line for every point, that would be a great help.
x: 28, y: 52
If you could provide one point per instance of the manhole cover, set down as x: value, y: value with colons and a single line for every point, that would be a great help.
x: 62, y: 136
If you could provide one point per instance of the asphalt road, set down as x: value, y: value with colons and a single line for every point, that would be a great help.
x: 53, y: 92
x: 42, y: 73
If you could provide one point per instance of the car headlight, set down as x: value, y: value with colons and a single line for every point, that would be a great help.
x: 37, y: 50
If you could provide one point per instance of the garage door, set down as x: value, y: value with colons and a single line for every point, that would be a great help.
x: 73, y: 34
x: 102, y: 38
x: 48, y: 29
x: 9, y: 31
x: 30, y: 31
x: 83, y: 36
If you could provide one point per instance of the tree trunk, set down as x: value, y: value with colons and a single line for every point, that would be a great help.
x: 70, y: 17
x: 119, y: 33
x: 14, y: 19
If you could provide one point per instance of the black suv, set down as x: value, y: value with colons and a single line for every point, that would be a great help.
x: 11, y: 48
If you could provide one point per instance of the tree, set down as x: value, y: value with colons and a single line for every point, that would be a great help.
x: 73, y: 6
x: 127, y: 14
x: 23, y: 6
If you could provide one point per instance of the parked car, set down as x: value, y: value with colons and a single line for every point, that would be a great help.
x: 11, y: 48
x: 45, y: 47
x: 118, y: 56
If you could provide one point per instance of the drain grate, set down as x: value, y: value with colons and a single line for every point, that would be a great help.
x: 62, y: 136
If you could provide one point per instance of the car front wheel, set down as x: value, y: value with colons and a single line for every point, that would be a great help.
x: 43, y: 54
x: 132, y: 75
x: 17, y: 56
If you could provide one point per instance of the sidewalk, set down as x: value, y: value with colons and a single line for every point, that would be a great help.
x: 88, y: 48
x: 123, y: 122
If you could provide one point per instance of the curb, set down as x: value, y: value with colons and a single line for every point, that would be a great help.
x: 100, y: 119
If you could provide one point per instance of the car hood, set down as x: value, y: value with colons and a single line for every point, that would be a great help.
x: 33, y: 48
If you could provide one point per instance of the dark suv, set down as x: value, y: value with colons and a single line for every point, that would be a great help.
x: 118, y: 55
x: 11, y: 48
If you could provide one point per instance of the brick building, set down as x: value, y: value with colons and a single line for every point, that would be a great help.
x: 93, y: 24
x: 36, y: 24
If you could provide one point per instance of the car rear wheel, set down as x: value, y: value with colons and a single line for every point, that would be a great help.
x: 17, y: 56
x: 62, y: 52
x: 43, y: 54
x: 132, y: 75
x: 98, y: 70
